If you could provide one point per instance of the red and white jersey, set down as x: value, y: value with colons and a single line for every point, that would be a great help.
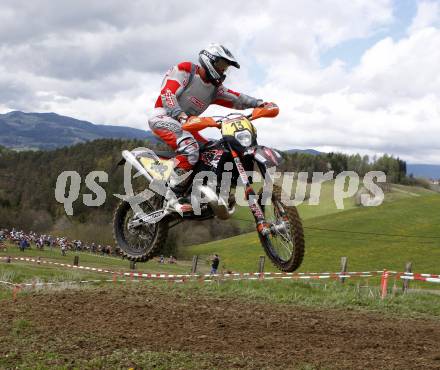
x: 183, y: 90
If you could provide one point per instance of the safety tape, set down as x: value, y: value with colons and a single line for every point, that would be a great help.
x: 421, y: 278
x: 420, y: 275
x: 226, y: 275
x: 245, y: 275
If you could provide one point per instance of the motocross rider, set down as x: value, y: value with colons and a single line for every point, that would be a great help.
x: 187, y: 90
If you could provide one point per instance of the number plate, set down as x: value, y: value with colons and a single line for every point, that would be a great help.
x: 229, y: 128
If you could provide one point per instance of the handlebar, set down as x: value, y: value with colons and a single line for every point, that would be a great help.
x: 195, y: 124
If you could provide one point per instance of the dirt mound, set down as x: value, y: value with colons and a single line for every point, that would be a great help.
x: 84, y: 324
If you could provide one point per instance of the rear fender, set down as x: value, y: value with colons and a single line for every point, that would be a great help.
x: 131, y: 158
x: 156, y: 167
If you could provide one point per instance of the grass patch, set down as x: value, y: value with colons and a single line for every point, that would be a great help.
x: 27, y: 272
x: 331, y: 295
x: 138, y: 359
x: 93, y: 260
x: 327, y: 205
x: 21, y: 327
x: 410, y: 216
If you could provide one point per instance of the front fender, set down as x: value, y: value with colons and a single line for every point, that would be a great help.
x: 267, y: 156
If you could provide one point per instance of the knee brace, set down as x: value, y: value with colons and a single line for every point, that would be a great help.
x: 188, y: 146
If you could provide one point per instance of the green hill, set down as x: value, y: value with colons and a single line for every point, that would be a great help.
x: 327, y: 204
x: 371, y: 237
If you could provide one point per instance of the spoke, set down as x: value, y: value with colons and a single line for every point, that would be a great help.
x: 285, y: 237
x: 287, y: 248
x: 281, y: 242
x: 144, y: 243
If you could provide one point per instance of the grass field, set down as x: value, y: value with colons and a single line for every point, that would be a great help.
x: 327, y: 204
x: 354, y: 233
x: 329, y: 233
x: 20, y: 271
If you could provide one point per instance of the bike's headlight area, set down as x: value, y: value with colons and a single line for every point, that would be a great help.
x: 244, y: 138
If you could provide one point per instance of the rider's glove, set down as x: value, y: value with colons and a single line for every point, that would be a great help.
x: 182, y: 117
x: 260, y: 103
x: 265, y: 105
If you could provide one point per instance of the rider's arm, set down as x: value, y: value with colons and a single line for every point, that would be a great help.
x: 231, y: 99
x: 173, y: 84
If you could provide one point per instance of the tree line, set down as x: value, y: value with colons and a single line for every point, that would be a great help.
x: 394, y: 168
x: 28, y: 180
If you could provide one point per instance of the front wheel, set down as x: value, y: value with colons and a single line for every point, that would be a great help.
x: 284, y: 245
x: 140, y: 243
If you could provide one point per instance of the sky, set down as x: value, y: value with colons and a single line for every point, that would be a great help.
x: 357, y: 76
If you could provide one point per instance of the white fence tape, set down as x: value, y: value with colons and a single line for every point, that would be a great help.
x: 235, y: 276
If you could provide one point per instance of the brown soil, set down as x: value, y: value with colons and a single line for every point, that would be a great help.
x: 90, y: 323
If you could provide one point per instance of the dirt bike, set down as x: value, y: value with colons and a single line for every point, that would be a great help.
x: 141, y: 233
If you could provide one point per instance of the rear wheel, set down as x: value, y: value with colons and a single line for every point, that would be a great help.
x: 142, y: 242
x: 284, y: 245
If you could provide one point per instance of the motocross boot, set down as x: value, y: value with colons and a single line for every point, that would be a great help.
x: 178, y: 184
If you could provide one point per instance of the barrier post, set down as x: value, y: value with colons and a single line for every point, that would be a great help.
x: 408, y: 268
x: 384, y: 284
x: 14, y: 292
x: 75, y: 260
x: 132, y: 265
x: 261, y: 264
x: 344, y: 266
x: 194, y: 264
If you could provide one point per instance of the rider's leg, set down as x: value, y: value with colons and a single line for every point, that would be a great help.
x: 187, y: 150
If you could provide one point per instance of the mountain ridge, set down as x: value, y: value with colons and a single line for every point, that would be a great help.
x: 49, y: 130
x: 46, y: 131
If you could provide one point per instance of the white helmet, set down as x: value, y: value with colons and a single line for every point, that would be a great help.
x: 211, y: 57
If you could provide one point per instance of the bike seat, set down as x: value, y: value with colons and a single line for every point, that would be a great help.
x: 165, y: 154
x: 207, y: 145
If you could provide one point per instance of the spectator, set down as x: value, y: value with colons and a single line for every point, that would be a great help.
x: 215, y: 263
x: 22, y: 240
x: 23, y: 244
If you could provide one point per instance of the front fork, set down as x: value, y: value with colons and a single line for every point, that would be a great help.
x: 262, y: 226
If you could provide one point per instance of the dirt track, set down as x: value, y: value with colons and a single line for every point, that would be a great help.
x: 86, y: 324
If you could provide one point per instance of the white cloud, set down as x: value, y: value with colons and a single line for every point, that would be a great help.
x: 104, y: 62
x: 428, y: 14
x: 389, y: 103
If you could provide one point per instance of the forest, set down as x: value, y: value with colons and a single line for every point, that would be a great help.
x: 28, y: 179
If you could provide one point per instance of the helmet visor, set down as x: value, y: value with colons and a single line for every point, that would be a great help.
x: 221, y: 65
